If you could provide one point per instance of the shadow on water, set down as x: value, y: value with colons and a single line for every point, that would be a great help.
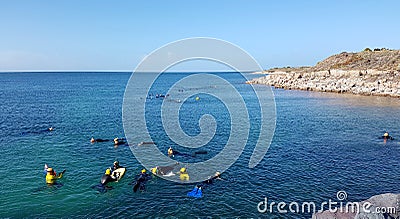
x: 48, y: 187
x: 100, y: 188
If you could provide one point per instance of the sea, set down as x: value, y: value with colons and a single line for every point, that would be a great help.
x: 323, y: 144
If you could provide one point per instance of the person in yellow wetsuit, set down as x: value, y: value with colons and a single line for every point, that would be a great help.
x: 184, y: 176
x: 51, y: 176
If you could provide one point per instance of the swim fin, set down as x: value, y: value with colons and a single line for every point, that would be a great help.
x: 196, y: 193
x: 136, y: 186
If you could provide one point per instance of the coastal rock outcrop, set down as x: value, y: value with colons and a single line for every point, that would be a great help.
x: 384, y: 206
x: 364, y: 73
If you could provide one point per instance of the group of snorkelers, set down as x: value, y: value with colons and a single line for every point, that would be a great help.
x: 168, y: 171
x: 151, y: 96
x: 111, y: 175
x: 141, y: 179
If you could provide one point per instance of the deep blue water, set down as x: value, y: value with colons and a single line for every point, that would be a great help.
x: 323, y: 143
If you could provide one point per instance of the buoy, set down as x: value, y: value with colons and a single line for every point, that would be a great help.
x: 197, y: 98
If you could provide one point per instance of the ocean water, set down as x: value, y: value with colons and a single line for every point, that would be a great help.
x: 323, y: 143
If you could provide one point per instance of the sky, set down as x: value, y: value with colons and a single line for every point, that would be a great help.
x: 117, y: 35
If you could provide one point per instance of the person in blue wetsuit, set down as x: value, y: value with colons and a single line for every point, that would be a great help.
x: 197, y: 192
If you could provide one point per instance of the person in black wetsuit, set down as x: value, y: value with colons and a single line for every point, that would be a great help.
x: 38, y: 132
x: 141, y: 181
x: 106, y: 178
x: 98, y: 140
x: 211, y: 179
x: 170, y: 152
x: 119, y: 141
x: 386, y: 136
x: 197, y: 191
x: 114, y: 167
x: 163, y: 170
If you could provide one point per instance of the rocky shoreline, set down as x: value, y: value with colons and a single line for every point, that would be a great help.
x: 341, y: 74
x: 369, y: 82
x: 383, y: 206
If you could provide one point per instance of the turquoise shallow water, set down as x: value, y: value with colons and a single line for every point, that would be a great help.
x: 323, y: 143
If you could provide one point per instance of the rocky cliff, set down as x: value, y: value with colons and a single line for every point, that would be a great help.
x: 365, y: 73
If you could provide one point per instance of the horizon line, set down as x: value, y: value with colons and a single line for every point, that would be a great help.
x: 110, y: 71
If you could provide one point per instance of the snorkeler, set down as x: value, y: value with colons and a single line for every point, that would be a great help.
x: 386, y: 136
x: 170, y: 152
x: 196, y: 192
x: 119, y: 141
x: 146, y: 142
x: 106, y: 178
x: 211, y: 179
x: 93, y: 140
x: 51, y: 175
x: 141, y: 181
x: 113, y: 169
x: 183, y: 174
x: 164, y: 170
x: 115, y: 165
x: 50, y: 129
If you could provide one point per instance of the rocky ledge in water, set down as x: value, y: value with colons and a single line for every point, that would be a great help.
x: 364, y: 73
x: 384, y: 206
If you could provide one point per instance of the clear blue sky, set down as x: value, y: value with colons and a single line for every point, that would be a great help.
x: 110, y: 35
